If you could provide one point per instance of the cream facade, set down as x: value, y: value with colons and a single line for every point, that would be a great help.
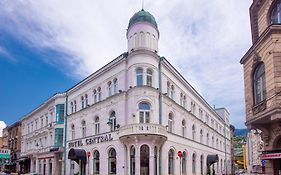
x: 262, y: 79
x: 42, y: 138
x: 138, y: 115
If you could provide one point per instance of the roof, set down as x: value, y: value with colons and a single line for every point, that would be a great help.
x: 142, y: 16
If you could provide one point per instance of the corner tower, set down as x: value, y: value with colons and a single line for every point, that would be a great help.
x: 142, y: 32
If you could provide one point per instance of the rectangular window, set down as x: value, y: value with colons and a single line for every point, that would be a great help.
x: 58, y: 137
x: 60, y: 113
x: 139, y: 80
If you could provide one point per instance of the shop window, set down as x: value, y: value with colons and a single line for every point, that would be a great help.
x: 259, y: 84
x: 144, y: 112
x: 184, y: 163
x: 112, y: 162
x: 276, y: 13
x: 139, y: 76
x: 96, y: 162
x: 194, y: 163
x: 132, y: 160
x: 149, y: 77
x: 171, y: 162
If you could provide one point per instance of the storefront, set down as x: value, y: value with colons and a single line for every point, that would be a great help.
x: 273, y: 156
x: 5, y: 159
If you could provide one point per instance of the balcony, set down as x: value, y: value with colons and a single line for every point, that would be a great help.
x: 143, y: 130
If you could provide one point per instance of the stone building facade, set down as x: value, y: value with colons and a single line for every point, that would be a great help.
x: 262, y: 77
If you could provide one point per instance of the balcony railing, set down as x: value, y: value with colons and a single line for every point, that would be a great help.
x: 143, y: 129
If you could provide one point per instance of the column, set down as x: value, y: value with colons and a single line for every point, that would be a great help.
x: 151, y: 160
x: 36, y: 165
x: 137, y: 160
x: 158, y: 160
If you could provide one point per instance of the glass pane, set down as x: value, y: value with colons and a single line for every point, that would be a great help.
x: 147, y: 117
x: 141, y: 117
x: 144, y: 106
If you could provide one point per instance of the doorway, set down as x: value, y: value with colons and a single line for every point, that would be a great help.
x: 144, y: 160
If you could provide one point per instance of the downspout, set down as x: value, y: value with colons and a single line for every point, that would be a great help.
x: 160, y: 107
x: 65, y: 131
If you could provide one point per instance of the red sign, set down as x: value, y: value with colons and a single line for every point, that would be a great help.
x: 179, y: 153
x: 271, y: 156
x: 88, y: 154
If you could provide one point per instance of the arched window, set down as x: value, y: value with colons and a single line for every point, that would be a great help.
x: 139, y: 76
x: 72, y: 107
x: 170, y: 122
x: 97, y: 125
x: 193, y: 132
x: 149, y: 77
x: 132, y: 160
x: 208, y: 139
x: 82, y: 102
x: 181, y: 99
x: 193, y: 163
x: 96, y: 162
x: 86, y: 100
x: 172, y: 91
x: 75, y: 106
x: 184, y: 101
x: 95, y: 96
x: 183, y: 168
x: 115, y: 86
x: 112, y: 121
x: 112, y: 161
x: 183, y: 127
x: 168, y: 89
x: 83, y: 128
x: 109, y: 88
x: 201, y: 136
x: 72, y: 131
x: 99, y: 93
x: 221, y: 166
x: 259, y: 84
x: 171, y: 162
x: 144, y: 159
x: 144, y: 112
x: 276, y: 13
x: 201, y: 164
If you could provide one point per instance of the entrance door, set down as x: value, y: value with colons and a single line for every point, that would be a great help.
x: 144, y: 160
x: 44, y: 169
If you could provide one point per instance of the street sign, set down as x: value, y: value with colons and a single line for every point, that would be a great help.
x: 262, y: 162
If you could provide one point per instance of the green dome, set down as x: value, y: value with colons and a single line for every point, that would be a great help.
x: 142, y: 16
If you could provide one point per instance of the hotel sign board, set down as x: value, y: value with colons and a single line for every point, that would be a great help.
x: 90, y: 140
x: 270, y: 156
x: 5, y: 154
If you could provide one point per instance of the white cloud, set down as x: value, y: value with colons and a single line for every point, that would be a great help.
x: 203, y: 39
x: 2, y: 126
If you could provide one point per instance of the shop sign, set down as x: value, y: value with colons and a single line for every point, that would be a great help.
x: 271, y: 156
x: 90, y: 140
x: 5, y: 154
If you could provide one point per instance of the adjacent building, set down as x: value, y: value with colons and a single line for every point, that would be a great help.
x: 262, y: 76
x: 42, y: 138
x: 138, y: 115
x: 14, y: 145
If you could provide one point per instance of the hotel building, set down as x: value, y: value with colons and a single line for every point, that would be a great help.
x: 139, y: 115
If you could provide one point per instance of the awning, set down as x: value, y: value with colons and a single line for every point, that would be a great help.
x: 77, y: 154
x: 270, y: 156
x: 212, y: 159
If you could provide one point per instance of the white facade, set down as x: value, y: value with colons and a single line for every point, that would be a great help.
x: 40, y: 151
x: 254, y: 150
x: 138, y: 111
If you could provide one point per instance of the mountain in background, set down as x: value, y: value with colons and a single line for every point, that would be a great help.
x: 241, y: 132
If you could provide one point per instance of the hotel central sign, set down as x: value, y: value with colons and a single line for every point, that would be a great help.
x: 90, y: 140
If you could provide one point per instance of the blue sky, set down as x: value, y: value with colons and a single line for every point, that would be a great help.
x: 47, y: 46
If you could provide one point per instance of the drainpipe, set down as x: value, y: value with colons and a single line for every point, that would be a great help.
x: 65, y: 131
x: 160, y: 90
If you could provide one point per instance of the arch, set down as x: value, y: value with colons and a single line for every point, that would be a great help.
x: 112, y: 161
x: 202, y: 164
x: 259, y: 87
x: 194, y: 163
x: 184, y: 162
x: 171, y: 166
x: 96, y: 162
x: 274, y: 14
x: 132, y: 160
x: 144, y: 159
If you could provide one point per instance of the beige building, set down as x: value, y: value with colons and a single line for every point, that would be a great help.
x: 262, y: 76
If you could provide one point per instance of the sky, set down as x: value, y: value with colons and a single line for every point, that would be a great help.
x: 47, y: 46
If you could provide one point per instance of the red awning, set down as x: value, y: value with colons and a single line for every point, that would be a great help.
x: 270, y: 156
